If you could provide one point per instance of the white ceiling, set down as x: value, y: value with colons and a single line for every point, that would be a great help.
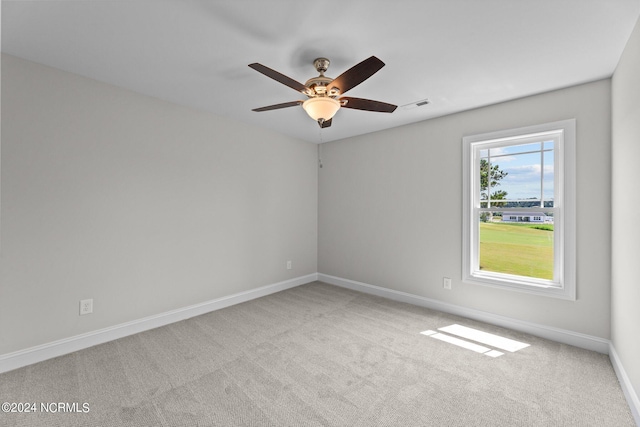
x: 460, y: 54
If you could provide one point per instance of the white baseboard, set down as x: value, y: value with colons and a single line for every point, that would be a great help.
x: 555, y: 334
x: 18, y: 359
x: 629, y: 392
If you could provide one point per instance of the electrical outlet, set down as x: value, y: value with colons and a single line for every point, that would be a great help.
x: 446, y: 283
x: 289, y: 265
x: 86, y: 306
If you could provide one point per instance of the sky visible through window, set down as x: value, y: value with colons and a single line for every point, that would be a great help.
x: 524, y: 164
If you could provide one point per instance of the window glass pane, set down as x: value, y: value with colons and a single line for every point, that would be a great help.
x: 549, y: 175
x: 484, y: 174
x: 518, y: 243
x: 514, y: 149
x: 519, y: 177
x: 527, y: 203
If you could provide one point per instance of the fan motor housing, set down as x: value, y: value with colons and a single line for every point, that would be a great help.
x: 319, y: 84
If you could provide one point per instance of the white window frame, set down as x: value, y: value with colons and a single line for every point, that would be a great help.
x: 564, y: 284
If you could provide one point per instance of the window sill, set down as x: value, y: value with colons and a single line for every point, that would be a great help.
x: 513, y: 284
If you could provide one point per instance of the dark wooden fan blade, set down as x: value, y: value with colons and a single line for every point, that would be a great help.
x: 367, y: 105
x: 356, y: 74
x: 326, y: 123
x: 279, y: 77
x: 278, y: 106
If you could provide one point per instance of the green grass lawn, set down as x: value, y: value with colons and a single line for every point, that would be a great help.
x: 517, y: 249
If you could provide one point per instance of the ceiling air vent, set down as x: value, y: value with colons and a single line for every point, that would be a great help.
x: 415, y: 104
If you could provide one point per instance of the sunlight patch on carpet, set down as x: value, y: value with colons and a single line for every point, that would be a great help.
x: 461, y: 343
x: 485, y: 338
x: 481, y: 337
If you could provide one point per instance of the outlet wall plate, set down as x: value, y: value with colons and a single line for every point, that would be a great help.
x: 86, y: 306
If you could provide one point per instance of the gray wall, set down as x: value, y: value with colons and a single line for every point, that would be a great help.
x: 390, y: 208
x: 142, y: 205
x: 625, y: 327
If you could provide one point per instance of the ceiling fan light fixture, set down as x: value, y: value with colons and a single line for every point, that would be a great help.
x: 321, y: 108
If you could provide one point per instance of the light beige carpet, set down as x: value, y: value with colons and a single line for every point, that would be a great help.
x: 319, y: 355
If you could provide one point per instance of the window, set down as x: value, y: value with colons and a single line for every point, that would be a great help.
x: 519, y: 209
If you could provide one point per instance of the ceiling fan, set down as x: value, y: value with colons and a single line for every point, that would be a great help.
x: 325, y: 94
